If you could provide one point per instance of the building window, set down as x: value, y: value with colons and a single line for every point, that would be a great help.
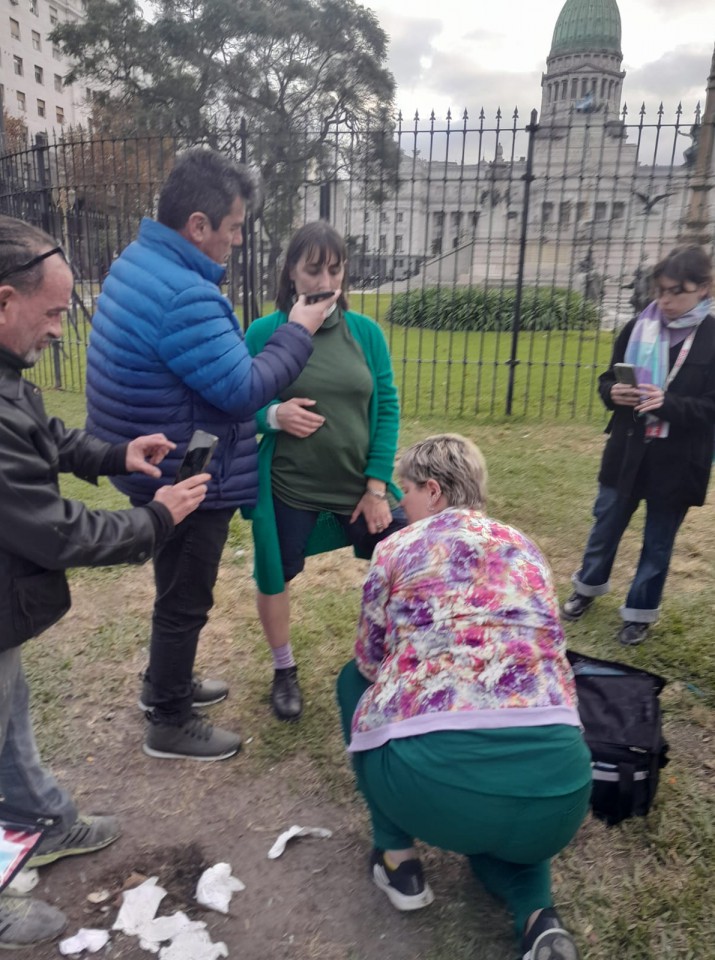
x: 17, y: 66
x: 41, y: 108
x: 383, y: 242
x: 400, y: 262
x: 14, y: 29
x: 398, y: 243
x: 21, y: 105
x: 58, y: 83
x: 39, y: 74
x: 383, y: 217
x: 574, y: 89
x: 581, y: 208
x: 53, y: 15
x: 456, y: 221
x: 399, y: 216
x: 438, y: 219
x: 565, y: 213
x: 474, y: 219
x: 599, y: 212
x: 36, y: 42
x: 59, y: 115
x: 436, y: 246
x: 547, y: 211
x: 34, y: 8
x: 618, y: 210
x: 56, y: 53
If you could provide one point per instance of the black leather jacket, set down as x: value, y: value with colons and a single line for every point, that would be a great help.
x: 41, y: 533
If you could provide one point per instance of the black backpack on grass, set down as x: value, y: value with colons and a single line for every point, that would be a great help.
x: 620, y: 713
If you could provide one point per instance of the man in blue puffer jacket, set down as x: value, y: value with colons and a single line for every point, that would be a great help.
x: 166, y: 353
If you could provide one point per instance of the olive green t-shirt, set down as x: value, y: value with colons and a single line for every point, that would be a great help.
x: 326, y: 471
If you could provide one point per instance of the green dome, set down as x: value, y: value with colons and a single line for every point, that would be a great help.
x: 587, y: 26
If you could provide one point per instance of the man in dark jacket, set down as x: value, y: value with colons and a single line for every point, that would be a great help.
x: 166, y: 352
x: 41, y: 535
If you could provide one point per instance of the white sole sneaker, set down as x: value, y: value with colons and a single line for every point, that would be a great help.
x: 400, y: 900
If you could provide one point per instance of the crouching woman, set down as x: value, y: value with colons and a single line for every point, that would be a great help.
x: 460, y: 708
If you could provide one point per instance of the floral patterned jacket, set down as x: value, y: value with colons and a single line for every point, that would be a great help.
x: 459, y: 630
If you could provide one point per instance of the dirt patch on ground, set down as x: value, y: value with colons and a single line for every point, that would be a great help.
x: 316, y: 902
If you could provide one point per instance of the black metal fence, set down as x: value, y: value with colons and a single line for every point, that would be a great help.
x: 556, y: 224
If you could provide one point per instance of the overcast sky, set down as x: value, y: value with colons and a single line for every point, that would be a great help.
x: 487, y: 53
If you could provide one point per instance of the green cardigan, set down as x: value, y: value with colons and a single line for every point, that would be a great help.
x: 384, y: 428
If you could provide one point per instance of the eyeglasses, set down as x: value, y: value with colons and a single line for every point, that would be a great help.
x: 21, y: 268
x: 674, y: 291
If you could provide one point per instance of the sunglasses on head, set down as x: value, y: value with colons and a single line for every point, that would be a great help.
x: 22, y: 267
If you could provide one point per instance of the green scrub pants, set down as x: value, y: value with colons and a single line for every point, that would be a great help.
x: 426, y: 787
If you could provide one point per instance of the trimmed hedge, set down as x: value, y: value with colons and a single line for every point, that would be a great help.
x: 475, y: 308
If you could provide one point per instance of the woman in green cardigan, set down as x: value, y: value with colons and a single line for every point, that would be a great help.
x: 329, y: 443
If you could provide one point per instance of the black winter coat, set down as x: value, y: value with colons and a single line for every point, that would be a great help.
x: 674, y: 470
x: 41, y: 533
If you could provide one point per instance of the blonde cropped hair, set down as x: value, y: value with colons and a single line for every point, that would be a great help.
x: 456, y: 464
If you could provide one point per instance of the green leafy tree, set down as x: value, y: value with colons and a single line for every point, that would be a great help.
x: 298, y: 87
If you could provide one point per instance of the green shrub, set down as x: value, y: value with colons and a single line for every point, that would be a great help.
x: 475, y: 308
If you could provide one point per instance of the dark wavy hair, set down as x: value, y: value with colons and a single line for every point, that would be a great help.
x: 686, y: 264
x: 321, y: 244
x: 203, y: 180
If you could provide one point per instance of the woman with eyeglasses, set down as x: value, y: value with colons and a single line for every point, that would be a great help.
x: 660, y: 444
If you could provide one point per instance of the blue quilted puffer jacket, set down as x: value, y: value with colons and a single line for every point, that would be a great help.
x: 166, y: 354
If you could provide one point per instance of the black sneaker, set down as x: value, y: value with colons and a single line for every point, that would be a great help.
x: 286, y: 698
x: 576, y: 605
x: 204, y: 693
x: 631, y: 634
x: 25, y: 922
x: 405, y: 887
x: 86, y: 835
x: 547, y: 939
x: 194, y: 740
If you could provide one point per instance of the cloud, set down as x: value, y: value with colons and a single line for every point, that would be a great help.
x: 679, y: 75
x: 411, y: 44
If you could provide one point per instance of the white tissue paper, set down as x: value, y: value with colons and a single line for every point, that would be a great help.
x: 84, y: 939
x: 139, y: 907
x: 193, y: 944
x: 23, y: 882
x: 296, y: 831
x: 216, y: 886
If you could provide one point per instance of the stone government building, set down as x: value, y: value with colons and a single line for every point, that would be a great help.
x: 608, y: 192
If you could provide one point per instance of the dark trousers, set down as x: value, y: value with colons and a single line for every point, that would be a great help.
x: 185, y: 571
x: 294, y: 527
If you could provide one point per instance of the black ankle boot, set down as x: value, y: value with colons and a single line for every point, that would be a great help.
x: 286, y: 698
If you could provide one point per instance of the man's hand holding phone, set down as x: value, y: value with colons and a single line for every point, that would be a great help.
x: 310, y: 310
x: 182, y: 498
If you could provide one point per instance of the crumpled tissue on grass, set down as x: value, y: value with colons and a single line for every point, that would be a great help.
x: 216, y: 886
x: 296, y: 831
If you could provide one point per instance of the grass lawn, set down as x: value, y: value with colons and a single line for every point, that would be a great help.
x: 639, y: 891
x: 448, y: 373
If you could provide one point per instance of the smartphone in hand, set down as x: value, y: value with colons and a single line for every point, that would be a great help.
x: 317, y: 297
x: 198, y: 455
x: 625, y: 373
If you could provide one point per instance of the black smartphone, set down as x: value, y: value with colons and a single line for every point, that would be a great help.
x: 625, y: 373
x: 317, y: 297
x: 198, y: 455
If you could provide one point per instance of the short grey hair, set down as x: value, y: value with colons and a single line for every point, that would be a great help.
x: 20, y: 242
x: 457, y: 465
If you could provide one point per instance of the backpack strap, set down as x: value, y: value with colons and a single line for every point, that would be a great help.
x: 626, y: 786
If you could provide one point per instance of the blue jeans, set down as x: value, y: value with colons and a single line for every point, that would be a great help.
x: 185, y: 571
x: 24, y: 782
x: 612, y: 512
